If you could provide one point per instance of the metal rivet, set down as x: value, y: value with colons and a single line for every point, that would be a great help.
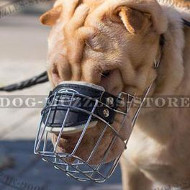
x: 109, y: 101
x: 106, y: 112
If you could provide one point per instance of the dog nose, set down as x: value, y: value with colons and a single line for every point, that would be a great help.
x: 62, y: 70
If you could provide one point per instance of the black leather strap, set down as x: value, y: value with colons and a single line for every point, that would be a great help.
x: 84, y: 98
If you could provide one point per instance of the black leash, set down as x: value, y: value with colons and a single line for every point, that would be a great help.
x: 42, y: 78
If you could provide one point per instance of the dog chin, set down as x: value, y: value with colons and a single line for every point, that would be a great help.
x: 68, y: 142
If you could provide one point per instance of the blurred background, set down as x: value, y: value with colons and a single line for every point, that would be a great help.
x: 23, y: 53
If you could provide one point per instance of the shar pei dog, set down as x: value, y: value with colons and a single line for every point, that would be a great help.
x: 115, y: 44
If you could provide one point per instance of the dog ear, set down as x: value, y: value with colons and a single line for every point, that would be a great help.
x: 140, y: 14
x: 49, y: 18
x: 134, y: 20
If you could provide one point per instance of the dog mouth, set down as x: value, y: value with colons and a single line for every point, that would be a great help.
x: 73, y: 113
x: 68, y: 138
x: 82, y: 130
x: 90, y: 148
x: 65, y: 143
x: 81, y: 117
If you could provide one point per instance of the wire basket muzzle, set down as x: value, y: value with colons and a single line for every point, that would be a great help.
x: 77, y: 133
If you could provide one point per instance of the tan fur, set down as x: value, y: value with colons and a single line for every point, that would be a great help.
x: 50, y: 17
x: 122, y: 36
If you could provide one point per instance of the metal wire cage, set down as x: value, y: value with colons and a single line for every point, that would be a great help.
x: 54, y: 121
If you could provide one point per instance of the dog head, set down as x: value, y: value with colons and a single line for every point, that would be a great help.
x: 111, y: 43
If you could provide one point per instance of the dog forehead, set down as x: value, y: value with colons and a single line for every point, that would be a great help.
x: 90, y: 3
x: 93, y: 2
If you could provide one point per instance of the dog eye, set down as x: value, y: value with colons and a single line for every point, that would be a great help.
x: 106, y: 74
x: 93, y: 44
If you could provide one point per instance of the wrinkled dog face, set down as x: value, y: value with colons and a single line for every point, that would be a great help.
x: 109, y: 43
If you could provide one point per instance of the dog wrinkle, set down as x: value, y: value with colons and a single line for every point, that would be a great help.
x: 159, y: 144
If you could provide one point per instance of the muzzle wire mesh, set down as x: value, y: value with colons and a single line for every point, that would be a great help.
x: 68, y: 162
